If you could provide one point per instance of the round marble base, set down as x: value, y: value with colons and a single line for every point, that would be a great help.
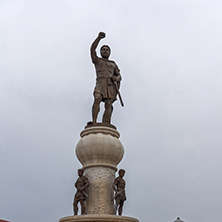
x: 98, y: 218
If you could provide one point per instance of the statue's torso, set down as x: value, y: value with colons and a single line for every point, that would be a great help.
x: 105, y: 68
x: 81, y: 181
x: 120, y: 183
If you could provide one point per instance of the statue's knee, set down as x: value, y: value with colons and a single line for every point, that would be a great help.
x: 108, y: 104
x: 97, y: 99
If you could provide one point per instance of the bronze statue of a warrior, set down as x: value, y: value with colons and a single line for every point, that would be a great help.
x: 81, y: 184
x: 119, y: 185
x: 107, y: 80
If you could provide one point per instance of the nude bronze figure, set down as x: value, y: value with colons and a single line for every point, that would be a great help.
x: 119, y: 185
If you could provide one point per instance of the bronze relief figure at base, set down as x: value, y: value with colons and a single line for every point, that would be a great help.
x: 81, y: 185
x: 119, y: 185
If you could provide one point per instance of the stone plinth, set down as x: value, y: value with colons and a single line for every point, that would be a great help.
x: 99, y: 146
x: 98, y: 218
x: 99, y: 150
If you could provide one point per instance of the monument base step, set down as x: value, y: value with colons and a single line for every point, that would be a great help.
x: 98, y: 218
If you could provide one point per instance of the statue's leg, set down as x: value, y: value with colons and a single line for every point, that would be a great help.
x: 120, y: 208
x: 108, y: 111
x: 82, y: 207
x: 116, y: 206
x: 96, y: 106
x: 75, y: 207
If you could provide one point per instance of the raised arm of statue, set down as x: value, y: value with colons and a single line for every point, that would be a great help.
x: 94, y: 46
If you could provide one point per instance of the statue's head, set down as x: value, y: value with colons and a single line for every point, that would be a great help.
x: 105, y: 51
x: 122, y: 172
x: 80, y: 172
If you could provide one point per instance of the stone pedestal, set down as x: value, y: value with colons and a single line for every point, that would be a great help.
x: 99, y: 151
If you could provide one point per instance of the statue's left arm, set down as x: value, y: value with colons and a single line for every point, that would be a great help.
x: 86, y: 185
x: 115, y: 184
x: 76, y: 184
x: 117, y: 77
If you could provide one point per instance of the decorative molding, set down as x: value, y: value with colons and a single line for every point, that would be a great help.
x: 100, y: 179
x: 100, y: 129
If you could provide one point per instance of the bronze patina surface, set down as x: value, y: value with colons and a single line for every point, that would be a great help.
x: 107, y: 80
x: 81, y: 184
x: 119, y: 185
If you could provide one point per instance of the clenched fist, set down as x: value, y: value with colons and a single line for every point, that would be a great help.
x: 102, y: 35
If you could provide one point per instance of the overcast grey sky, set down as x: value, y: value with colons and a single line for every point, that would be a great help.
x: 169, y: 53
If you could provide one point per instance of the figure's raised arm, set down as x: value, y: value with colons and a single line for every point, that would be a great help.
x: 94, y: 46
